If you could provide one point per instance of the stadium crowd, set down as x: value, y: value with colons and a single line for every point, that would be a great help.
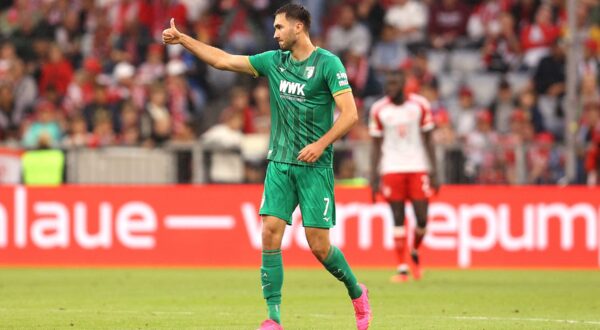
x: 93, y: 73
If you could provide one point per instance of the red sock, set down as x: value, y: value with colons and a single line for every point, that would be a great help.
x: 400, y: 242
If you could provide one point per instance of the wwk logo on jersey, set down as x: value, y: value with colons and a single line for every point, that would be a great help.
x: 287, y: 87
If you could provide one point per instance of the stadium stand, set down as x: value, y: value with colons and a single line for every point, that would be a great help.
x: 89, y: 76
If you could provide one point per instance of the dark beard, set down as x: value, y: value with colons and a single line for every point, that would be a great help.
x: 287, y: 45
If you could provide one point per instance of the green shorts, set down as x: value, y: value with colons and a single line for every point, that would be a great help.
x: 287, y: 185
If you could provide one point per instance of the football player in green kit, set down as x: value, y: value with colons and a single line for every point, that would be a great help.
x: 306, y: 83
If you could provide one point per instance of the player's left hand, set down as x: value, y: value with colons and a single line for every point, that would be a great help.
x: 311, y: 152
x: 171, y: 36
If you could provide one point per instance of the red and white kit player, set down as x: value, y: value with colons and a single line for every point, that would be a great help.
x: 403, y: 158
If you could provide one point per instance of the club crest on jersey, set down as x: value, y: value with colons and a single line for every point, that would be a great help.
x: 309, y: 72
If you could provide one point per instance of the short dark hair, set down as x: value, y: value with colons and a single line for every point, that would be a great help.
x: 297, y: 12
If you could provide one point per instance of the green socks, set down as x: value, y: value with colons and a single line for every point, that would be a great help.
x: 271, y: 276
x: 337, y: 265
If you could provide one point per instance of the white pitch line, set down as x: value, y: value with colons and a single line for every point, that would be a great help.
x: 498, y: 318
x: 199, y: 222
x: 73, y: 310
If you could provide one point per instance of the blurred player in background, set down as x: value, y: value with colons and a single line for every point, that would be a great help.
x: 401, y: 127
x: 306, y: 83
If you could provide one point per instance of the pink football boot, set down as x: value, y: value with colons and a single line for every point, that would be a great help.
x: 362, y: 309
x: 270, y: 325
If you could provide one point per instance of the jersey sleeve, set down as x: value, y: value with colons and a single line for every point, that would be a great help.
x: 260, y: 63
x: 336, y: 77
x: 426, y: 123
x: 375, y: 125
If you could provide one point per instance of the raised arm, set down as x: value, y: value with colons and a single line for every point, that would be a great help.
x: 347, y: 118
x: 212, y: 56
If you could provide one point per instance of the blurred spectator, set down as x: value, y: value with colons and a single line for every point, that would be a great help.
x: 185, y: 135
x: 31, y: 34
x: 387, y: 54
x: 162, y: 11
x: 262, y: 115
x: 68, y: 36
x: 514, y: 142
x: 56, y: 73
x: 538, y: 37
x: 45, y: 130
x: 409, y: 20
x: 527, y: 102
x: 523, y: 12
x: 130, y: 136
x: 485, y: 20
x: 418, y: 67
x: 228, y: 133
x: 180, y: 103
x: 431, y: 92
x: 131, y: 44
x: 128, y: 117
x: 465, y: 115
x: 589, y: 127
x: 444, y: 134
x: 153, y: 67
x: 77, y: 134
x: 101, y: 105
x: 24, y: 88
x: 589, y: 89
x: 97, y: 39
x: 448, y: 23
x: 592, y: 161
x: 240, y: 102
x: 103, y: 131
x: 549, y: 81
x: 123, y: 75
x: 317, y: 10
x: 589, y: 66
x: 242, y: 31
x: 348, y: 35
x: 372, y: 14
x: 81, y: 90
x: 8, y: 55
x: 227, y: 164
x: 501, y: 51
x: 360, y: 75
x: 9, y: 114
x: 546, y: 162
x: 479, y: 147
x: 502, y: 108
x: 157, y: 123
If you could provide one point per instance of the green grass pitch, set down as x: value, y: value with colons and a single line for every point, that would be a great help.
x: 174, y: 298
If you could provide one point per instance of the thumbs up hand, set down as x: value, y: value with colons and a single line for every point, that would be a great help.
x: 171, y: 36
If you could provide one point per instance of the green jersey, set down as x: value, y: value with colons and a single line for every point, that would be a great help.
x: 302, y: 103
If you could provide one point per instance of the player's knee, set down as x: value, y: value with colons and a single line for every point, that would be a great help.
x: 320, y: 251
x: 270, y: 237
